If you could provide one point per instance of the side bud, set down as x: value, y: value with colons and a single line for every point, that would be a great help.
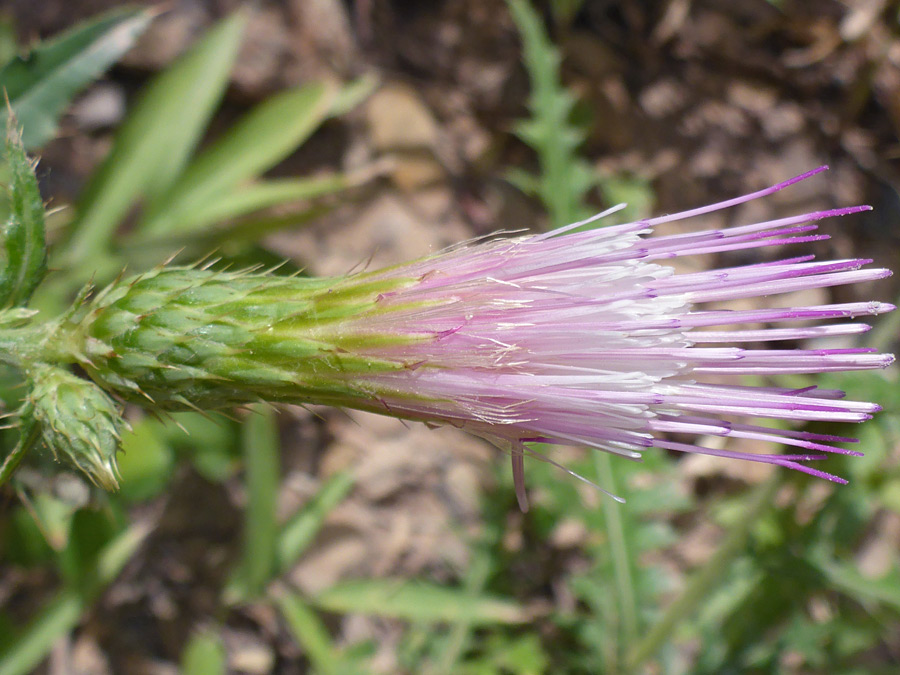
x: 77, y: 421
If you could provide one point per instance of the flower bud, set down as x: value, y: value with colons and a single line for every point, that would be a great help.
x: 78, y: 421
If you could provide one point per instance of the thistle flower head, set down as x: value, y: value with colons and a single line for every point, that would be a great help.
x: 573, y: 337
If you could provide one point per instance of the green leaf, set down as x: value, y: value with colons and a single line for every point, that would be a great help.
x: 707, y: 578
x: 211, y: 442
x: 204, y: 655
x: 845, y: 577
x: 459, y: 636
x: 525, y: 181
x: 311, y: 634
x: 146, y: 462
x: 155, y: 141
x: 622, y: 550
x: 518, y: 655
x: 58, y: 618
x: 91, y: 531
x: 8, y: 45
x: 24, y: 541
x: 265, y: 136
x: 23, y: 251
x: 7, y: 631
x: 40, y: 85
x: 419, y: 601
x: 352, y: 94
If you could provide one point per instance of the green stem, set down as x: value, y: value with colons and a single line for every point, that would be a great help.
x: 22, y: 346
x: 619, y: 547
x: 461, y: 631
x: 11, y: 347
x: 27, y: 438
x: 704, y: 579
x: 262, y: 477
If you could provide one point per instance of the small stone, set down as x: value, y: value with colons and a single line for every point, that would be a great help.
x: 87, y: 658
x: 266, y: 43
x: 102, y: 107
x: 568, y: 533
x: 252, y: 656
x: 416, y: 170
x: 328, y: 563
x: 385, y: 232
x: 398, y: 119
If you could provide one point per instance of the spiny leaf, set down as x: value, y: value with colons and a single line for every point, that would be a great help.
x: 565, y: 179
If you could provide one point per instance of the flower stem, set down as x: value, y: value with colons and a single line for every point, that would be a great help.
x: 619, y: 547
x: 703, y: 580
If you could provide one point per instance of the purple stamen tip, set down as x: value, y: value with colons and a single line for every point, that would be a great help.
x: 800, y: 177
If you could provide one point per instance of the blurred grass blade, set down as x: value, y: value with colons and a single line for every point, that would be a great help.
x: 40, y: 85
x: 154, y: 143
x: 62, y: 615
x: 263, y: 195
x: 261, y: 458
x: 299, y: 532
x: 232, y: 242
x: 54, y: 621
x: 311, y: 634
x: 9, y: 46
x: 265, y: 136
x: 352, y: 94
x: 460, y: 634
x: 23, y: 251
x: 266, y: 194
x: 847, y: 578
x: 419, y: 601
x: 204, y: 655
